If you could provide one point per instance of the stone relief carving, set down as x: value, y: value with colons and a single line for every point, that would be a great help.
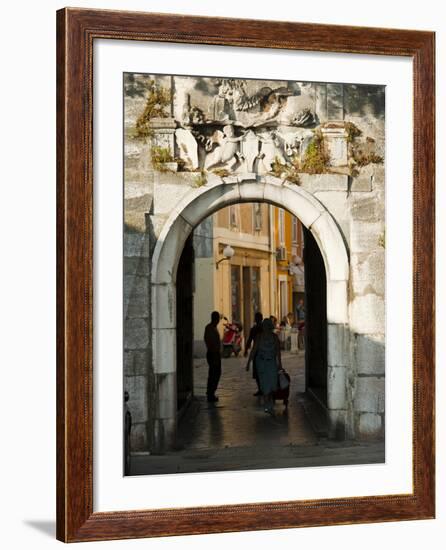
x: 237, y: 126
x: 187, y: 147
x: 226, y: 154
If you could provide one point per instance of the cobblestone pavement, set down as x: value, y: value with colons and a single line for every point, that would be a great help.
x: 236, y: 434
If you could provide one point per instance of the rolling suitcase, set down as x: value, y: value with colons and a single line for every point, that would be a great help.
x: 282, y: 393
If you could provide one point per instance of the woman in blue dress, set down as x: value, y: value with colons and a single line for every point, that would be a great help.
x: 266, y: 352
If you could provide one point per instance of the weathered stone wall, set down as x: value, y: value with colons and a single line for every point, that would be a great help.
x: 364, y: 106
x: 356, y: 363
x: 357, y: 376
x: 358, y: 387
x: 138, y: 197
x: 138, y: 378
x: 367, y: 304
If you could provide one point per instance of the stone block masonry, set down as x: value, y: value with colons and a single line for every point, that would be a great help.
x: 138, y: 379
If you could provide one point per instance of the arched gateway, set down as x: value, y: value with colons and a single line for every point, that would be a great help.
x: 198, y: 204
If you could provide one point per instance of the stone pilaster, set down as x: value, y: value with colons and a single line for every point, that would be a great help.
x: 164, y: 133
x: 335, y: 139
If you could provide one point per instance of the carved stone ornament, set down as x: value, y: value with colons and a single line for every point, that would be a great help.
x: 240, y: 126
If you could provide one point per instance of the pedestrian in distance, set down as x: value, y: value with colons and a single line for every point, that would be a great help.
x: 254, y: 332
x: 300, y: 318
x: 213, y: 356
x: 300, y: 311
x: 266, y: 352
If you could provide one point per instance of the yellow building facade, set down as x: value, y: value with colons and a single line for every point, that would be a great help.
x: 242, y: 285
x: 263, y: 273
x: 288, y: 242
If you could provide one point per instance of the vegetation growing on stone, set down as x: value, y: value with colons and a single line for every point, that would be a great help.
x: 290, y: 172
x: 201, y: 179
x: 353, y: 132
x: 382, y: 240
x: 158, y: 98
x: 361, y: 152
x: 221, y: 172
x: 363, y: 157
x: 160, y: 156
x: 316, y: 159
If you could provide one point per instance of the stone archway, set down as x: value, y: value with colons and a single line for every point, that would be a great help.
x: 194, y: 208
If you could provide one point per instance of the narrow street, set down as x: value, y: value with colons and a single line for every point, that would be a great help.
x: 236, y: 434
x: 238, y: 418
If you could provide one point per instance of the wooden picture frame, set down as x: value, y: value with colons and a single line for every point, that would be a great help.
x: 76, y: 31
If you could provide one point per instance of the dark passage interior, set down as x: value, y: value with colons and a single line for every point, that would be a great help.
x: 185, y: 336
x: 315, y: 320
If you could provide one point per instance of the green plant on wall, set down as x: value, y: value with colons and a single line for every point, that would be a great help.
x: 353, y: 132
x: 201, y: 179
x: 361, y: 152
x: 221, y: 172
x: 290, y: 171
x: 316, y: 159
x: 364, y: 154
x: 158, y: 99
x: 160, y: 156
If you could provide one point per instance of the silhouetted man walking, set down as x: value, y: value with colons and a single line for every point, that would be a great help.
x: 256, y: 329
x: 213, y: 356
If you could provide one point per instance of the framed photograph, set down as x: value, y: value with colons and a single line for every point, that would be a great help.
x: 245, y: 275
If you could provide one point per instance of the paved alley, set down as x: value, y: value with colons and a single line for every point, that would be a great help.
x: 238, y: 418
x: 236, y: 434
